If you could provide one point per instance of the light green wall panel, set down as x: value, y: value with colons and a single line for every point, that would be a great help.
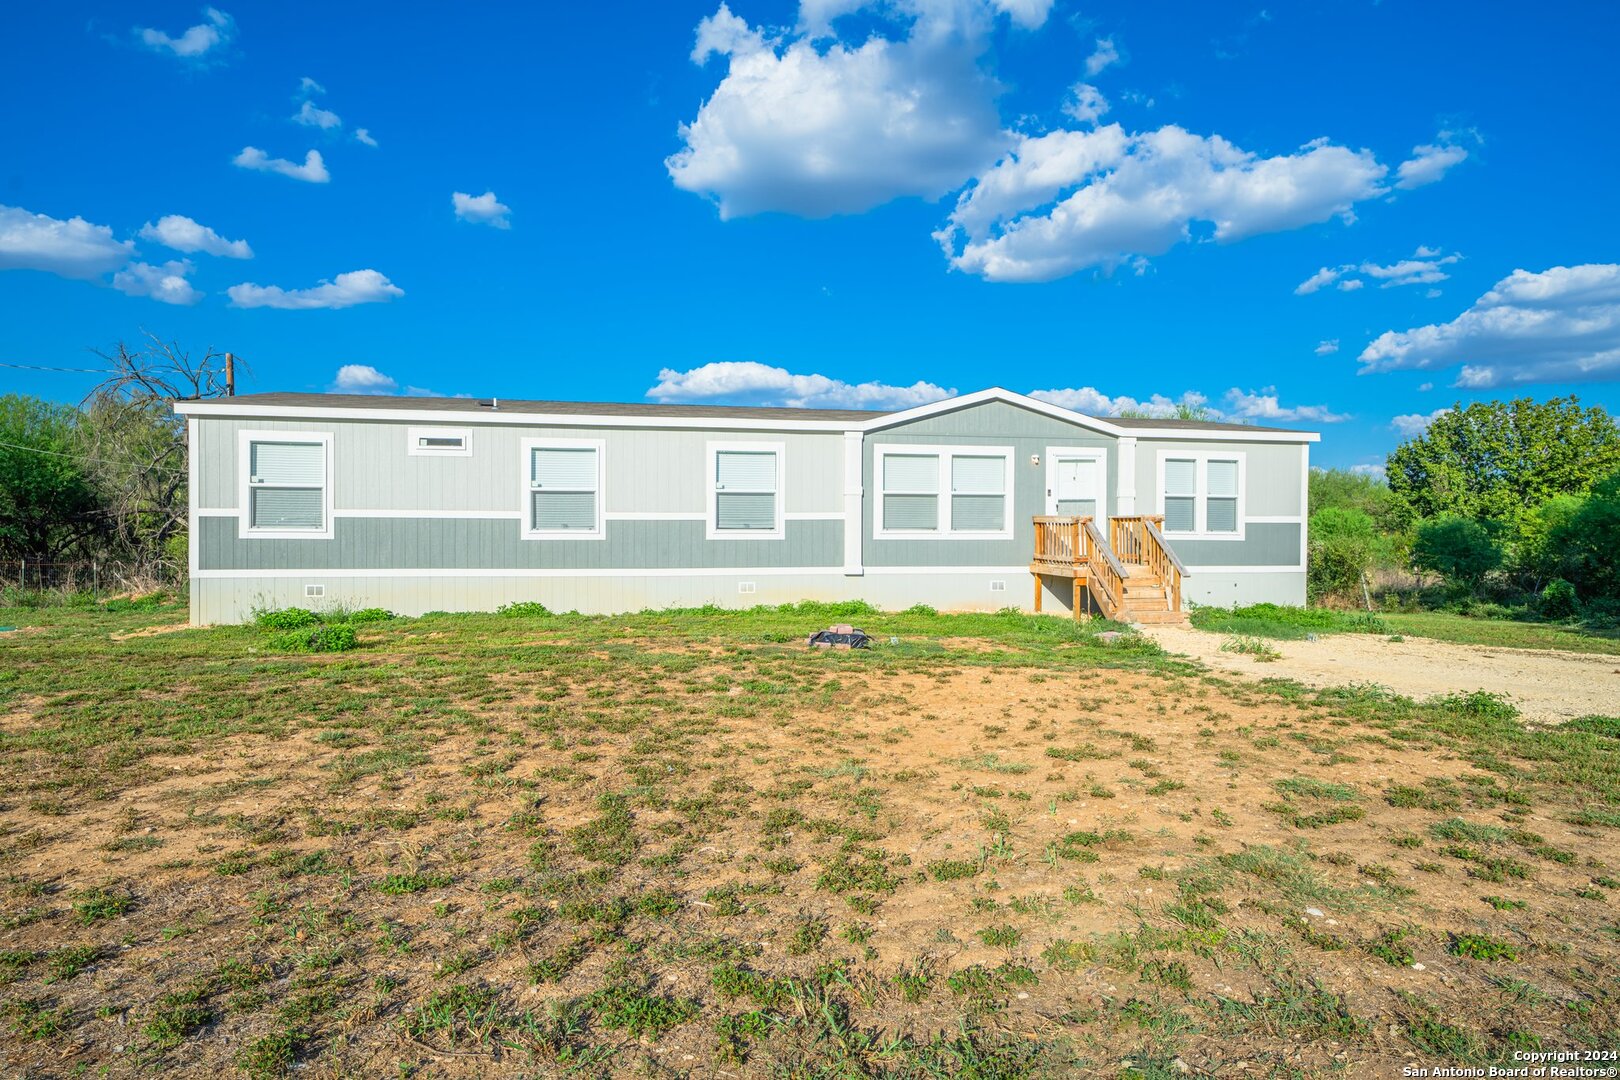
x: 1263, y: 544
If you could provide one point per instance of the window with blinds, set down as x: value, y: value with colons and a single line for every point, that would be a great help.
x: 287, y: 486
x: 563, y: 489
x: 942, y: 492
x: 911, y: 492
x: 978, y: 493
x: 1180, y: 495
x: 745, y: 491
x: 1221, y: 500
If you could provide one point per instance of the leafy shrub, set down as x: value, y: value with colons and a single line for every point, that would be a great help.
x: 1558, y: 600
x: 523, y: 609
x: 324, y: 638
x: 286, y: 619
x: 369, y: 615
x: 1344, y: 545
x: 1461, y: 550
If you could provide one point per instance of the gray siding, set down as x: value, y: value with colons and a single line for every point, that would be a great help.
x: 1263, y: 544
x: 649, y: 470
x: 994, y: 423
x: 479, y: 544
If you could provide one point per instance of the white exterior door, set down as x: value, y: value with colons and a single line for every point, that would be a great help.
x: 1074, y: 485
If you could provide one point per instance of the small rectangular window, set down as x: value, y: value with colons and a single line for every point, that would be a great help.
x: 446, y: 442
x: 286, y: 486
x: 1221, y: 509
x: 1180, y: 495
x: 978, y: 493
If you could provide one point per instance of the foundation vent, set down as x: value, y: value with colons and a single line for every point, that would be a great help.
x: 746, y: 587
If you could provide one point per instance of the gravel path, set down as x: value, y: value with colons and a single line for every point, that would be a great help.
x: 1546, y: 686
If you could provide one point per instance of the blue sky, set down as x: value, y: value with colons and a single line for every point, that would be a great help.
x: 1341, y: 216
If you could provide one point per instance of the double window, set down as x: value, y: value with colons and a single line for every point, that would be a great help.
x: 745, y: 491
x: 1203, y: 494
x: 562, y: 489
x: 286, y: 485
x: 938, y: 492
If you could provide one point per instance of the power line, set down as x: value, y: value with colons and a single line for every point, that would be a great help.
x: 93, y: 461
x: 47, y: 367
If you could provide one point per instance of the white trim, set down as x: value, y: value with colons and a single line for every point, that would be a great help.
x: 813, y: 515
x: 1126, y: 489
x: 244, y: 464
x: 415, y: 435
x: 942, y: 529
x: 1202, y: 458
x: 213, y: 511
x: 1275, y: 519
x: 1095, y: 454
x: 711, y: 459
x: 193, y: 545
x: 752, y: 573
x: 1192, y: 570
x: 1304, y: 503
x: 639, y: 515
x: 854, y: 502
x: 526, y: 484
x: 217, y: 408
x: 497, y: 515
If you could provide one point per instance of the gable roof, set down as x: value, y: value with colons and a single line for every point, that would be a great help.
x: 755, y: 417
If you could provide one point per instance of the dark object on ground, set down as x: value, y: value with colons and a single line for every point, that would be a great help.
x: 842, y: 636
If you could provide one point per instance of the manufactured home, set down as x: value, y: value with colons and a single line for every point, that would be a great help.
x: 983, y: 501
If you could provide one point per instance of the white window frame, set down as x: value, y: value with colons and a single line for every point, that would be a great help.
x: 943, y: 531
x: 525, y: 488
x: 415, y: 435
x: 1202, y: 458
x: 711, y: 466
x: 245, y: 485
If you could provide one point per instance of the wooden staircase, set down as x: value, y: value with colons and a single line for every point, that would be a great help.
x: 1132, y: 576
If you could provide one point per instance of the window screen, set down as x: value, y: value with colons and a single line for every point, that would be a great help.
x: 1180, y: 495
x: 286, y: 485
x: 911, y: 492
x: 562, y: 488
x: 745, y: 490
x: 978, y: 493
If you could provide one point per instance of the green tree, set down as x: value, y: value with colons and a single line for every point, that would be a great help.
x: 48, y: 502
x: 1589, y: 542
x: 1459, y: 549
x: 1344, y: 546
x: 1497, y: 460
x: 1540, y: 555
x: 1341, y: 489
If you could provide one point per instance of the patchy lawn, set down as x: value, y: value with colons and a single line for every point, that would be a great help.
x: 1505, y: 633
x: 683, y: 844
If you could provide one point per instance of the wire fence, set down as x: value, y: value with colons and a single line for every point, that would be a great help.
x: 84, y: 575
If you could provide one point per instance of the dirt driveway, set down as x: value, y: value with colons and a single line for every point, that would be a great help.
x: 1545, y: 685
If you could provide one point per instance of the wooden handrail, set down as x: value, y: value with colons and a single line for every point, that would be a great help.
x: 1140, y: 539
x: 1106, y: 577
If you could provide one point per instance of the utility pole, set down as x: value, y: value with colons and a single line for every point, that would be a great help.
x: 230, y: 374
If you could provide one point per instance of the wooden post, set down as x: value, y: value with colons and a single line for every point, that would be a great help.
x: 1037, y: 578
x: 1074, y: 596
x: 230, y: 374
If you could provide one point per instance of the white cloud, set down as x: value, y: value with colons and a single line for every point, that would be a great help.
x: 183, y: 234
x: 365, y: 379
x: 364, y: 137
x: 312, y: 115
x: 1327, y: 348
x: 1423, y: 268
x: 1093, y: 402
x: 1560, y: 325
x: 804, y: 123
x: 1104, y: 56
x: 166, y: 284
x: 1263, y: 405
x: 1321, y: 279
x: 1368, y: 469
x: 345, y: 290
x: 1412, y: 425
x: 1428, y: 163
x: 313, y: 170
x: 307, y: 86
x: 1085, y: 103
x: 74, y: 248
x: 483, y: 209
x: 216, y: 29
x: 1119, y: 196
x: 760, y: 384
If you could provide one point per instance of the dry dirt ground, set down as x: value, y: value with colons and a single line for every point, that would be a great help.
x: 623, y: 859
x: 1547, y: 686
